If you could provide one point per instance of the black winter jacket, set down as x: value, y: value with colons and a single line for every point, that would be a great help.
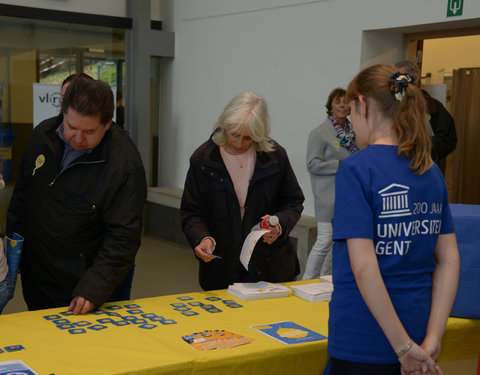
x: 210, y: 208
x: 82, y: 226
x: 444, y: 138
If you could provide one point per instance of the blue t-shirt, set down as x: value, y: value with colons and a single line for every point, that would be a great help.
x: 380, y: 198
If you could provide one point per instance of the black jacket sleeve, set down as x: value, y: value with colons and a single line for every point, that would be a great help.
x: 15, y: 208
x: 444, y: 133
x: 290, y: 200
x: 192, y: 211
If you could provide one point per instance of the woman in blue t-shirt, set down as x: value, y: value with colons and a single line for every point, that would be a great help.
x: 395, y: 256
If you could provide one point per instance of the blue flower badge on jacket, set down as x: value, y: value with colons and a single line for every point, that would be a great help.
x: 38, y: 163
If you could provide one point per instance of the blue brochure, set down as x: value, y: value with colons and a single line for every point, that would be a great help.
x: 14, y: 253
x: 289, y: 332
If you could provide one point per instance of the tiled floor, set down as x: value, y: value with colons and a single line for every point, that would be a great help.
x: 161, y: 268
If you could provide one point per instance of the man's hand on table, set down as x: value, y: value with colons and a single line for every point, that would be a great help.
x: 80, y: 305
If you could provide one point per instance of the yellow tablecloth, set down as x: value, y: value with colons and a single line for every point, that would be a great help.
x: 132, y: 350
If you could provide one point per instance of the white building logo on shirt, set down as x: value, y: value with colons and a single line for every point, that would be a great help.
x: 394, y: 201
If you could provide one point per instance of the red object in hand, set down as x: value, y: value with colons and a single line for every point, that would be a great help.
x: 268, y: 222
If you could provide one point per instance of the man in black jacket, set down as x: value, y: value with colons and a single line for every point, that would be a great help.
x: 78, y: 202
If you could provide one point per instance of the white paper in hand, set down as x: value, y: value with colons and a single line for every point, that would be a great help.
x: 249, y: 245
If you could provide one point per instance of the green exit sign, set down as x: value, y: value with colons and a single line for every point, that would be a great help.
x: 454, y: 8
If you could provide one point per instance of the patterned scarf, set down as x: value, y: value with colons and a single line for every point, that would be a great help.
x: 345, y: 134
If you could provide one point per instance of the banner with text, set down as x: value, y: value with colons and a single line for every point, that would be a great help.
x: 46, y: 101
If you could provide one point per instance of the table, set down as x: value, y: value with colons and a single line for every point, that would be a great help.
x: 466, y: 219
x: 133, y: 350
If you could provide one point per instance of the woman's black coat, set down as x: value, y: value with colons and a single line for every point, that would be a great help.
x: 210, y: 208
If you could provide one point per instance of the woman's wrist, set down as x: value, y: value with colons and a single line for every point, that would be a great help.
x: 214, y: 244
x: 405, y: 349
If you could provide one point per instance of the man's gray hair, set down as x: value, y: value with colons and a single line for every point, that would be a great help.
x: 410, y: 67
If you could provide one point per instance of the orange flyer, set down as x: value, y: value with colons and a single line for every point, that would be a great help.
x: 216, y: 339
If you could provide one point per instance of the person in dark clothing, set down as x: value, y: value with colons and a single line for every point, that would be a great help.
x: 78, y: 202
x: 444, y: 139
x: 120, y: 111
x: 236, y: 178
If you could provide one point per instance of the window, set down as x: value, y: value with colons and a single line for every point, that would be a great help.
x: 40, y: 51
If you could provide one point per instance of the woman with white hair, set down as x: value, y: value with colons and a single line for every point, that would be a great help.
x: 235, y: 179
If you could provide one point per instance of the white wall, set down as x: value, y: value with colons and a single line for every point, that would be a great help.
x: 292, y: 52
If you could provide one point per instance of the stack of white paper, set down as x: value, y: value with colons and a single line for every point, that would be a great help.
x: 259, y: 290
x: 314, y: 292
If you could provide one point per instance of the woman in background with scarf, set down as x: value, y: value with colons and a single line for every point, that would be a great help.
x: 328, y: 144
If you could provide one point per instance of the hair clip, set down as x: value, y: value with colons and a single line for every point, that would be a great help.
x: 399, y: 82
